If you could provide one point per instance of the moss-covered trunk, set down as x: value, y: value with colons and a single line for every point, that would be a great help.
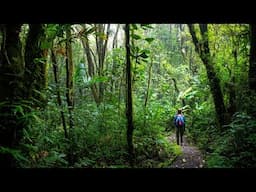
x: 70, y: 94
x: 202, y: 48
x: 35, y: 72
x: 129, y: 106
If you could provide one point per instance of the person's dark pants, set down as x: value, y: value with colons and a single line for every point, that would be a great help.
x: 179, y: 134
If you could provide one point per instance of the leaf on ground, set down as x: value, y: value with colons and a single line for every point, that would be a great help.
x: 184, y: 160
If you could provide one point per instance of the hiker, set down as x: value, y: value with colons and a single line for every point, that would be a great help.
x: 179, y: 122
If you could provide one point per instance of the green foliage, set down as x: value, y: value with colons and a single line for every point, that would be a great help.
x: 154, y: 150
x: 97, y: 79
x: 41, y: 145
x: 236, y: 147
x: 15, y: 153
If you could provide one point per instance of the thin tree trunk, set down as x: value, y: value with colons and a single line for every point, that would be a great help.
x: 129, y: 112
x: 101, y: 45
x: 231, y: 109
x: 91, y: 71
x: 56, y: 78
x: 114, y: 45
x: 148, y: 84
x: 70, y: 92
x: 177, y: 91
x: 202, y: 48
x: 147, y: 92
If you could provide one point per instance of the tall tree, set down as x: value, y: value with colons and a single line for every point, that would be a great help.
x: 91, y: 64
x: 129, y: 104
x: 101, y: 44
x: 11, y: 85
x: 70, y: 90
x: 59, y: 100
x: 202, y: 48
x: 35, y: 64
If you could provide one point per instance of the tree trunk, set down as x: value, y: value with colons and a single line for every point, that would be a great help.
x: 11, y: 85
x: 56, y: 79
x: 231, y: 108
x: 202, y: 48
x: 149, y: 80
x: 147, y: 91
x: 114, y: 45
x: 35, y: 65
x: 129, y: 110
x: 91, y: 68
x: 70, y: 92
x: 101, y: 44
x: 177, y: 91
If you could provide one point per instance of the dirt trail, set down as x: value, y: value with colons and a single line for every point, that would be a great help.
x: 191, y: 157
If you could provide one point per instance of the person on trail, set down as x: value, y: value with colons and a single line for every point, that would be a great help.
x: 179, y: 122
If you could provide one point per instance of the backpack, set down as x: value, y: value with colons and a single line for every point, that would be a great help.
x: 179, y: 120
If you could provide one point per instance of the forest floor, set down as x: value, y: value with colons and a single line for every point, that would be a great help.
x: 191, y: 156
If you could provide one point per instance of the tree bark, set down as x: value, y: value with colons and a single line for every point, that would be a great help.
x: 70, y: 92
x: 129, y: 105
x: 91, y: 68
x: 202, y: 48
x: 101, y: 44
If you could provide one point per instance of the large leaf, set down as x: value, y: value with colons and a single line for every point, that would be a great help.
x: 184, y: 93
x: 136, y: 37
x: 149, y: 39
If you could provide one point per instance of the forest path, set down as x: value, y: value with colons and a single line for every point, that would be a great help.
x: 191, y: 156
